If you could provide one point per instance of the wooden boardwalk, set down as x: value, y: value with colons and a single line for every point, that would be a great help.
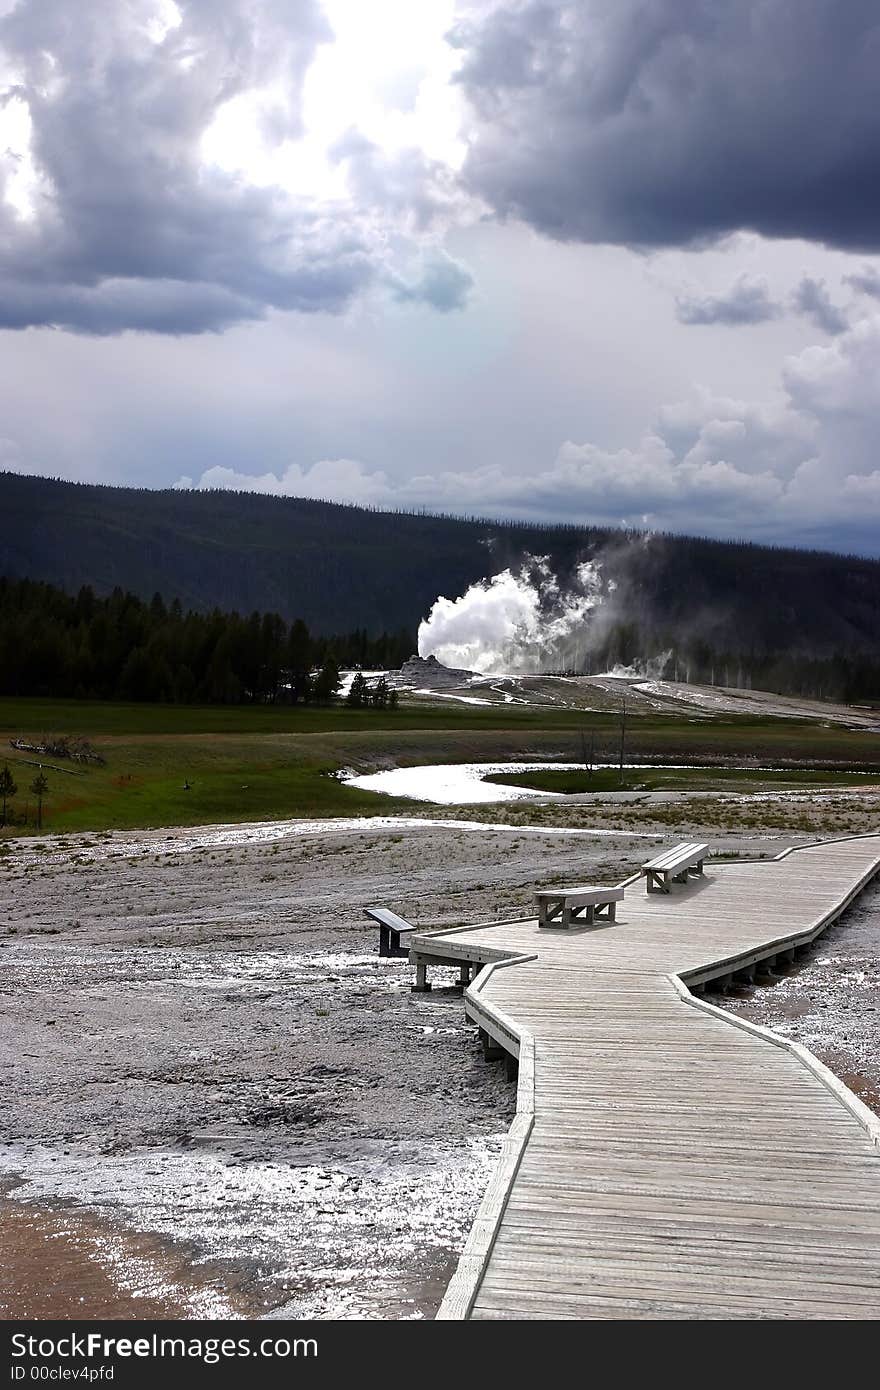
x: 668, y: 1160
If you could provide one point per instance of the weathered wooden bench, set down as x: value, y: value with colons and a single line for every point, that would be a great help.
x: 568, y: 907
x: 391, y: 928
x: 675, y: 865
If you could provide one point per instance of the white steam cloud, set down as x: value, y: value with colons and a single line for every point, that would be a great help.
x: 519, y: 622
x: 649, y: 668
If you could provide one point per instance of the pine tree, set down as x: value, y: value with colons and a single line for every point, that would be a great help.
x: 8, y: 787
x: 327, y: 681
x: 299, y: 660
x: 358, y: 692
x: 40, y: 787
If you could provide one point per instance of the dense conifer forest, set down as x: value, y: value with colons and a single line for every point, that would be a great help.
x: 120, y: 648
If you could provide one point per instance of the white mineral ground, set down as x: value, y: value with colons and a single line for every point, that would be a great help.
x: 201, y: 1050
x: 605, y: 692
x: 469, y: 784
x: 217, y: 1100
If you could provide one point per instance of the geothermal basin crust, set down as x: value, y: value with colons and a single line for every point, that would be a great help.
x: 218, y: 1101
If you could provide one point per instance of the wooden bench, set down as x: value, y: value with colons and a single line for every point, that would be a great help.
x: 675, y: 865
x: 569, y: 907
x: 391, y: 928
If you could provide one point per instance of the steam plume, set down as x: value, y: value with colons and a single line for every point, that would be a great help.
x: 519, y: 622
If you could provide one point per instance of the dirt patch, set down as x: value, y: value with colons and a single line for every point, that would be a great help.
x: 70, y: 1264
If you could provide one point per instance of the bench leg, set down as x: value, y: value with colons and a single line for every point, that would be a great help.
x: 422, y: 984
x: 585, y: 915
x: 464, y: 975
x: 578, y: 916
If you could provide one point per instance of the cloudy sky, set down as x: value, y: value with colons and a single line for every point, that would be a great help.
x: 613, y: 260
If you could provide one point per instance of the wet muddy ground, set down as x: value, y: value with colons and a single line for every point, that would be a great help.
x: 71, y: 1263
x: 217, y: 1101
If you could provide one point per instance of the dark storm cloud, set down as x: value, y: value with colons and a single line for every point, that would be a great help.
x: 160, y: 306
x: 748, y: 301
x: 812, y: 298
x: 671, y: 122
x: 130, y: 229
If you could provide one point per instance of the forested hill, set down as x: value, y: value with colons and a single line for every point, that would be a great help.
x: 340, y: 567
x: 336, y: 567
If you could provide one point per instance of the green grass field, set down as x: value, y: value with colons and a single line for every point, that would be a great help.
x: 93, y: 717
x: 190, y: 779
x: 262, y: 763
x: 681, y: 779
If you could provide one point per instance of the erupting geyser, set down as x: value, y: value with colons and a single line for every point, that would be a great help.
x: 520, y: 621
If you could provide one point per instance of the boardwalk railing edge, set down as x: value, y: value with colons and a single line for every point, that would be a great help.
x: 866, y: 1118
x: 462, y: 1288
x: 792, y: 849
x: 464, y: 1285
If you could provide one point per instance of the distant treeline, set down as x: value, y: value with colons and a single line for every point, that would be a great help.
x: 847, y: 677
x: 121, y: 648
